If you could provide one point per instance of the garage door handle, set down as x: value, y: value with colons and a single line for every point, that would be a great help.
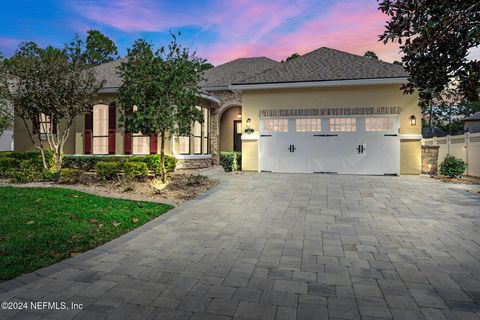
x: 291, y: 148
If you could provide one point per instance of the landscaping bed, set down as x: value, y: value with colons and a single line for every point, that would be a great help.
x: 51, y: 224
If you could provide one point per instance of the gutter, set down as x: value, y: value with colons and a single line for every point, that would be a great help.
x: 317, y: 84
x: 201, y: 95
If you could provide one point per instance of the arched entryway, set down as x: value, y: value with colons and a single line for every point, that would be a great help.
x: 230, y: 129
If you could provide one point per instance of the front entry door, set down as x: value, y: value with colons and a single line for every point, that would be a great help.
x: 237, y: 135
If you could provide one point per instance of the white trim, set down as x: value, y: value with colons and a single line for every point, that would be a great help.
x: 410, y: 136
x: 250, y: 137
x: 314, y: 84
x: 193, y: 156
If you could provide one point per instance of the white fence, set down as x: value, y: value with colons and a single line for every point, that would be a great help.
x: 465, y: 147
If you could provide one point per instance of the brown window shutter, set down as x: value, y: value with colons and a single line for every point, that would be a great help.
x: 36, y: 124
x: 88, y: 135
x: 154, y: 144
x: 112, y: 127
x: 127, y: 142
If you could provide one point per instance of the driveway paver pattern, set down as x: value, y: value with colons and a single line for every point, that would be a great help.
x: 280, y: 246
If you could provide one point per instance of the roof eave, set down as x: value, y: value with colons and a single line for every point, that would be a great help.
x: 315, y: 84
x: 201, y: 95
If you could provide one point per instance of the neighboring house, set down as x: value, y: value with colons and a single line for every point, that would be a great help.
x: 325, y: 112
x: 472, y: 121
x: 6, y: 138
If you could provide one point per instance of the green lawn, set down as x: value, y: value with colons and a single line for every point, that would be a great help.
x: 40, y: 226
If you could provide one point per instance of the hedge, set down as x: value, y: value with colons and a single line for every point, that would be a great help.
x: 136, y: 170
x: 108, y: 170
x: 34, y: 156
x: 88, y: 163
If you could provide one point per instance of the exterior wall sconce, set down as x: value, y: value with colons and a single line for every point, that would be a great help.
x: 413, y: 120
x: 249, y: 126
x: 239, y: 116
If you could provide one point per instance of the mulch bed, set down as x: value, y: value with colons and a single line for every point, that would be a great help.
x: 181, y: 187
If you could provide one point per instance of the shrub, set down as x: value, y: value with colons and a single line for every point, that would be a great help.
x: 50, y: 175
x: 239, y: 160
x: 228, y: 160
x: 88, y: 163
x: 452, y: 167
x: 34, y: 156
x: 170, y: 163
x: 27, y: 171
x: 136, y: 170
x: 70, y: 175
x: 108, y: 170
x: 7, y: 163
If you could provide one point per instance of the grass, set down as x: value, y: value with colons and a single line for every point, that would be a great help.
x: 41, y: 226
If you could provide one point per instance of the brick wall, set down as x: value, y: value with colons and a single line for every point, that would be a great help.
x: 187, y: 164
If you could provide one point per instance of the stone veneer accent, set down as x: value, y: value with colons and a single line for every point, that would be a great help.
x: 430, y: 159
x: 187, y: 164
x: 227, y: 99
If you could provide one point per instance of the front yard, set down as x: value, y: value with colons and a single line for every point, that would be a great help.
x: 40, y: 226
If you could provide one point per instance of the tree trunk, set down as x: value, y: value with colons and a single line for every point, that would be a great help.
x: 162, y: 156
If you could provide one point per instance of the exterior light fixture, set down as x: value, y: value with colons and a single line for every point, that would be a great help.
x: 239, y: 116
x: 249, y: 126
x: 413, y: 120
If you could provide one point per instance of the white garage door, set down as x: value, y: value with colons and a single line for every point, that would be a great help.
x: 343, y: 145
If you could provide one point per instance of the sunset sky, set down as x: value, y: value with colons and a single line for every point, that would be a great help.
x: 219, y: 30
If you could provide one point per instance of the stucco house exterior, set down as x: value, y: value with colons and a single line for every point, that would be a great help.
x: 327, y: 111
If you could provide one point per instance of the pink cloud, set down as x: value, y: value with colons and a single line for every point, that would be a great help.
x: 253, y: 27
x: 348, y: 26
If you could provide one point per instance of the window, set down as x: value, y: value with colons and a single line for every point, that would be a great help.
x: 140, y: 144
x: 308, y: 125
x: 100, y: 129
x: 184, y: 145
x: 44, y: 126
x: 275, y: 125
x: 199, y: 141
x: 378, y: 124
x: 343, y: 124
x: 197, y: 138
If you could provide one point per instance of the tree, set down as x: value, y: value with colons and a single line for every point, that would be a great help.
x: 435, y: 37
x: 6, y: 116
x: 205, y: 66
x: 162, y: 85
x: 370, y: 54
x: 99, y: 48
x: 55, y: 85
x: 399, y: 63
x: 292, y: 56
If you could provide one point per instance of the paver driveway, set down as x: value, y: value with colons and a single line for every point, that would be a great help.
x: 272, y: 246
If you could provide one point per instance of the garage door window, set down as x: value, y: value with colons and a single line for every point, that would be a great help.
x: 343, y: 124
x: 378, y: 124
x: 308, y: 125
x: 275, y: 125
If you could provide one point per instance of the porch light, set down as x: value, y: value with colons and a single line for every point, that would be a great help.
x: 249, y: 126
x: 413, y: 120
x: 239, y: 116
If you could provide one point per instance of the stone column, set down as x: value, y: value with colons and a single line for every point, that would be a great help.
x: 430, y: 159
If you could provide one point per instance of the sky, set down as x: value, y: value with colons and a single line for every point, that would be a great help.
x: 218, y: 30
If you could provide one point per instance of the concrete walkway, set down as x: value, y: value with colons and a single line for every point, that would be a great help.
x: 274, y: 246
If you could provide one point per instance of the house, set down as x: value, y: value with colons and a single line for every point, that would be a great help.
x: 472, y: 123
x: 6, y: 137
x: 327, y: 111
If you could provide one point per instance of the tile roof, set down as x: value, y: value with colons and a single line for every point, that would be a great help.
x: 326, y: 64
x: 236, y: 70
x: 475, y: 116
